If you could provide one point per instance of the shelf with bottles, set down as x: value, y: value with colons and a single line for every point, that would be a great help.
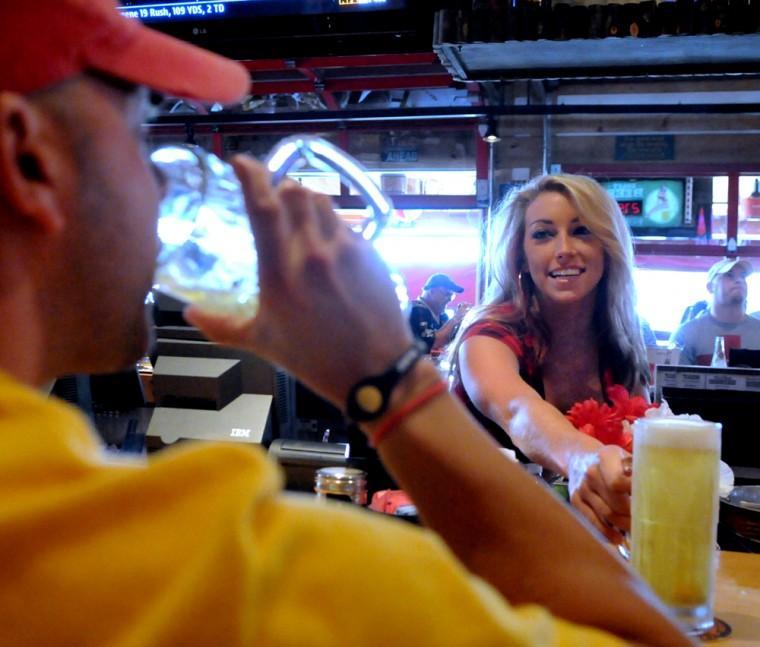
x: 530, y: 39
x: 603, y: 58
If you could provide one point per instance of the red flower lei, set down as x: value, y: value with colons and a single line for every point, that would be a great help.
x: 610, y: 425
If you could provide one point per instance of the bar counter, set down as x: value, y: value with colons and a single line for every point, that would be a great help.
x: 737, y: 600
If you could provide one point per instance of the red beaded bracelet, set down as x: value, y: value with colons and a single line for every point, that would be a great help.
x: 409, y: 407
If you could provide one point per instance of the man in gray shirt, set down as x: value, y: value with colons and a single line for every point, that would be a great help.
x: 726, y: 317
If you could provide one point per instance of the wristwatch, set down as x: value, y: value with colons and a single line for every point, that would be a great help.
x: 368, y: 399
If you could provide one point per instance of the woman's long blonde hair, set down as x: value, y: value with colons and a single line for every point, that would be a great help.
x: 614, y: 318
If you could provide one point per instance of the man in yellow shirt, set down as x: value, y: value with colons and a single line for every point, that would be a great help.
x: 199, y: 546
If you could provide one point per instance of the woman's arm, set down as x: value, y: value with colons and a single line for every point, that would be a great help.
x: 326, y: 288
x: 506, y: 528
x: 598, y: 475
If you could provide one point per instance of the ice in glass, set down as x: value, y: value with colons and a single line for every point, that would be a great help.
x: 208, y: 256
x: 207, y: 252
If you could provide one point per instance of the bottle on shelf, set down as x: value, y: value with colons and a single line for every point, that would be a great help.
x: 701, y: 227
x: 666, y: 17
x: 560, y: 20
x: 473, y: 21
x: 531, y: 18
x: 685, y: 17
x: 615, y: 24
x: 751, y: 204
x: 631, y: 19
x: 704, y: 17
x: 452, y: 23
x: 480, y: 22
x: 719, y: 353
x: 545, y: 28
x: 720, y: 17
x: 639, y: 19
x: 597, y: 20
x: 649, y: 25
x: 578, y: 19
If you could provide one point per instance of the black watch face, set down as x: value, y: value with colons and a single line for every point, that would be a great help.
x: 368, y: 399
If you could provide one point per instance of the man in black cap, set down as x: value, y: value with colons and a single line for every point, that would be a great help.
x: 428, y: 317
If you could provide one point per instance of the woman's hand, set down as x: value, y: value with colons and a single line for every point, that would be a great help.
x: 600, y: 488
x: 328, y: 311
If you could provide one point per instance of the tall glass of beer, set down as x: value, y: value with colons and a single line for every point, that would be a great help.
x: 676, y: 463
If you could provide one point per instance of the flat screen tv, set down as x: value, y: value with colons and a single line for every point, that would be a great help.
x: 654, y: 206
x: 161, y: 11
x: 260, y: 29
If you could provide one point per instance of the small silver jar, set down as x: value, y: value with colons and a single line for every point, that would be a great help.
x: 345, y: 483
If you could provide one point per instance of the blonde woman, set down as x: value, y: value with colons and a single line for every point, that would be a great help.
x: 559, y: 327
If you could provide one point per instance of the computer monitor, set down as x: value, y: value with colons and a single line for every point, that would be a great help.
x: 298, y: 414
x: 114, y: 402
x: 744, y: 358
x: 730, y: 396
x: 304, y: 415
x: 258, y: 375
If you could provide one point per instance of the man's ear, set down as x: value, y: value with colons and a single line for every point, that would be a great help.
x: 29, y: 184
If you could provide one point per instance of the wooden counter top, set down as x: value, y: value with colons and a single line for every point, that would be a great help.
x: 737, y: 599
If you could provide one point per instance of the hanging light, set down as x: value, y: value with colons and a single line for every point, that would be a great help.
x: 489, y: 130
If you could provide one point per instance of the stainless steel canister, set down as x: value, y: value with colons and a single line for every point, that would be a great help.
x: 345, y: 483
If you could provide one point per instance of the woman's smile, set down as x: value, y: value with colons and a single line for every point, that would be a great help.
x: 567, y: 273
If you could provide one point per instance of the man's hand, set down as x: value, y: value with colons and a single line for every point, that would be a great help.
x: 328, y: 311
x: 461, y: 310
x: 600, y: 488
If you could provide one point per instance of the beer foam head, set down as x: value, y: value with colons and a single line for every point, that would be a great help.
x: 677, y: 432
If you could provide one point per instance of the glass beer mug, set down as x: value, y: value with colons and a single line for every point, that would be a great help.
x: 207, y: 252
x: 674, y: 513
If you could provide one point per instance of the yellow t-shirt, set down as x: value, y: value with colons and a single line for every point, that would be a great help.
x: 199, y: 546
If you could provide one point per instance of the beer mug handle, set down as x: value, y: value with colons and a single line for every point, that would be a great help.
x: 321, y: 154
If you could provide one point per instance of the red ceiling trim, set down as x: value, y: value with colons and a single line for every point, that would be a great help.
x: 282, y: 87
x: 354, y: 84
x: 326, y: 62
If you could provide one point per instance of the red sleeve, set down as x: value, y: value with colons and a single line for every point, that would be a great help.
x: 496, y: 330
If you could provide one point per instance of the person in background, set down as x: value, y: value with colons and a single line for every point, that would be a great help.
x: 559, y: 327
x: 428, y: 317
x: 696, y: 309
x: 198, y: 546
x: 725, y: 317
x: 647, y: 334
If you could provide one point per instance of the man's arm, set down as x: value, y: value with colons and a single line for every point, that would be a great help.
x: 688, y: 354
x: 446, y: 332
x: 499, y: 521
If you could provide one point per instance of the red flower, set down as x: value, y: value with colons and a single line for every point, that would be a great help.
x: 605, y: 422
x: 630, y: 408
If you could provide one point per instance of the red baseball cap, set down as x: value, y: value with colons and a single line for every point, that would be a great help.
x: 44, y: 42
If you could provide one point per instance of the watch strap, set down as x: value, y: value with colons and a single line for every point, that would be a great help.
x: 368, y: 399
